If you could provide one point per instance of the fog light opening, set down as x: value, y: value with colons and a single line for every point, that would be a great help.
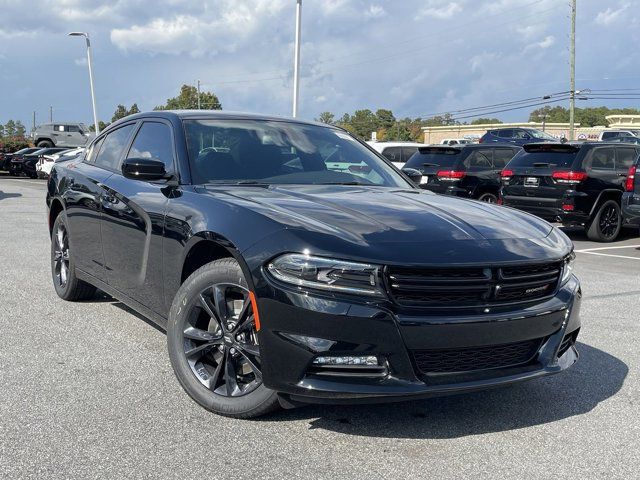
x: 367, y: 360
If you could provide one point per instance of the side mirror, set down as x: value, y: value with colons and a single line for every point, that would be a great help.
x: 143, y: 169
x: 414, y: 175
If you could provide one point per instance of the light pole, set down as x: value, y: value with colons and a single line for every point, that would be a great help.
x: 198, y: 94
x: 296, y: 60
x: 93, y: 96
x: 572, y: 72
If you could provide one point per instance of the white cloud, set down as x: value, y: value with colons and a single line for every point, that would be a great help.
x: 375, y: 11
x: 439, y: 10
x: 81, y: 62
x: 543, y: 44
x: 609, y: 16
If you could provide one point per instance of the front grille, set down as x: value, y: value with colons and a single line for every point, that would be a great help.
x: 476, y: 358
x: 472, y: 287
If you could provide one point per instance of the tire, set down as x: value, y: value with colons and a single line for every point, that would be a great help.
x: 45, y: 144
x: 66, y: 283
x: 217, y: 362
x: 488, y: 197
x: 606, y: 224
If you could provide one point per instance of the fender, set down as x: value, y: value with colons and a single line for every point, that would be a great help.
x: 604, y: 192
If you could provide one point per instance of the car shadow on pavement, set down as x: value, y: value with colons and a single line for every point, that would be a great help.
x: 4, y: 195
x: 596, y: 377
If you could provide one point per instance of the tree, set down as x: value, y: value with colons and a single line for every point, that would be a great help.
x: 482, y: 120
x: 20, y: 130
x: 101, y: 124
x: 327, y: 117
x: 121, y: 112
x: 1, y: 130
x: 188, y: 99
x: 385, y: 118
x: 134, y: 109
x: 10, y: 128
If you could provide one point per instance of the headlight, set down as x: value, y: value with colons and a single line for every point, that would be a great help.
x: 327, y: 274
x: 567, y: 267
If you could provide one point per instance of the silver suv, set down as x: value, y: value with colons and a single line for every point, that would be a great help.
x: 62, y: 135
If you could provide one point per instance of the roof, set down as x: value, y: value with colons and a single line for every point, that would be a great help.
x: 217, y: 114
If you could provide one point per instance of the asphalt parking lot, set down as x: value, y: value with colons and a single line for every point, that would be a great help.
x: 86, y: 391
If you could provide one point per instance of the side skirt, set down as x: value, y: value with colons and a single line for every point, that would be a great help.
x: 156, y: 318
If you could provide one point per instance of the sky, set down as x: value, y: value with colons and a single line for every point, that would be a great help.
x: 415, y: 57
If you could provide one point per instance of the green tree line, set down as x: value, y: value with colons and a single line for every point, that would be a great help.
x: 586, y: 117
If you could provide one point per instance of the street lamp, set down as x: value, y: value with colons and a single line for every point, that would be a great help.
x: 93, y: 96
x: 296, y: 59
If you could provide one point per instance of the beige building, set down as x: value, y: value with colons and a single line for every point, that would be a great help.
x: 560, y: 130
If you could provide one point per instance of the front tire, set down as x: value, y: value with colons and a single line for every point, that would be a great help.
x: 45, y: 144
x: 67, y: 285
x: 607, y: 223
x: 213, y: 345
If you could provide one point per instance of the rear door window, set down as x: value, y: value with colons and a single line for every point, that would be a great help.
x: 407, y: 152
x: 506, y: 133
x: 392, y: 153
x: 626, y: 157
x: 480, y: 159
x: 601, y: 159
x: 113, y: 146
x: 501, y: 157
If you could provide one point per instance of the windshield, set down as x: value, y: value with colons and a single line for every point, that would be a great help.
x: 541, y: 135
x: 278, y: 152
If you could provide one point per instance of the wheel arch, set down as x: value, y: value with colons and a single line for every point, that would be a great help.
x: 609, y: 194
x: 206, y: 247
x: 55, y: 208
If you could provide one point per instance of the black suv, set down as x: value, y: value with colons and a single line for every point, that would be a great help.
x: 631, y: 196
x: 471, y: 171
x: 576, y: 184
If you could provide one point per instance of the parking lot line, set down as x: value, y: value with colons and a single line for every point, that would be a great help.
x: 586, y: 250
x: 608, y: 255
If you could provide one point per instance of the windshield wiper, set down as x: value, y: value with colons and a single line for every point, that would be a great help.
x: 343, y: 183
x: 542, y: 164
x: 430, y: 165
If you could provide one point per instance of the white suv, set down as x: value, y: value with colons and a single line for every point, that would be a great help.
x: 611, y: 134
x: 396, y: 152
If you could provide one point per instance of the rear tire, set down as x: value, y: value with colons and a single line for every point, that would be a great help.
x: 67, y: 285
x: 212, y: 343
x: 45, y: 144
x: 606, y: 224
x: 488, y: 197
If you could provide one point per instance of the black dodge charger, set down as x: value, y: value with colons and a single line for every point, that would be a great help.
x: 289, y: 264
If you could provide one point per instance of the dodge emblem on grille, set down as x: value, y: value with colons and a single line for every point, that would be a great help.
x: 536, y: 289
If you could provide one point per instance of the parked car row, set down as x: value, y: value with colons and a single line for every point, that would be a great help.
x: 35, y: 161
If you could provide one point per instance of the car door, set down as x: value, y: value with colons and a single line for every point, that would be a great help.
x: 479, y: 168
x: 81, y: 197
x: 59, y: 135
x: 133, y: 213
x: 601, y: 171
x: 74, y: 136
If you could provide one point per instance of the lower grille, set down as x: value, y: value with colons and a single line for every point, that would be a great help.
x: 568, y: 340
x: 472, y: 286
x: 476, y: 358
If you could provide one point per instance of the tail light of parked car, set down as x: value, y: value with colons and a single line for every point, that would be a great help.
x: 569, y: 177
x: 506, y: 174
x: 451, y: 175
x: 631, y: 177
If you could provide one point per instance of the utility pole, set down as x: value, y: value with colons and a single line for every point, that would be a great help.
x: 50, y: 114
x: 572, y: 74
x: 198, y: 94
x: 93, y: 95
x: 296, y: 60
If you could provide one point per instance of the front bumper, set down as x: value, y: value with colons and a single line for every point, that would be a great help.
x: 361, y: 329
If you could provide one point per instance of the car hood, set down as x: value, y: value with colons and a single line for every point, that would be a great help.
x: 369, y: 215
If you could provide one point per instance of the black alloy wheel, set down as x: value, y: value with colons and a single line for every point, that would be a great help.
x: 488, y: 198
x: 607, y: 223
x: 67, y: 285
x: 220, y: 341
x: 61, y: 255
x: 212, y: 338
